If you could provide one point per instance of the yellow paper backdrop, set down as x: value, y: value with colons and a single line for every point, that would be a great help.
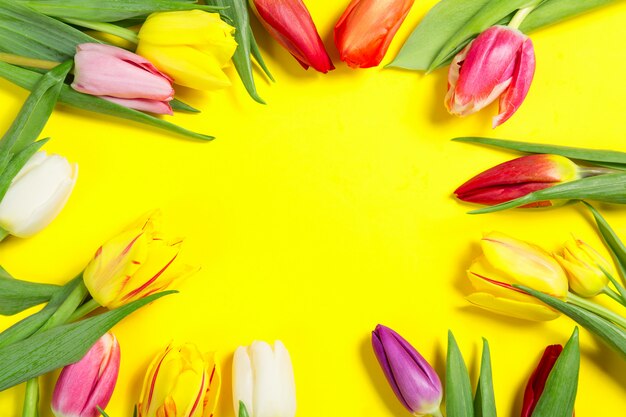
x: 329, y: 210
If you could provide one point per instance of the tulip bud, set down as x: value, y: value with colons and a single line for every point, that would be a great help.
x: 88, y: 383
x: 121, y: 77
x: 263, y: 380
x: 191, y: 46
x: 181, y: 382
x: 518, y: 177
x: 500, y: 62
x: 366, y: 29
x: 290, y: 23
x: 507, y: 261
x: 413, y: 380
x: 584, y: 267
x: 135, y: 264
x: 37, y: 194
x: 537, y: 381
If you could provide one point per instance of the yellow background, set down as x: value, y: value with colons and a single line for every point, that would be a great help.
x: 328, y: 211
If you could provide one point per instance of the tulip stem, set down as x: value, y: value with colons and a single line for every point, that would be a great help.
x: 66, y: 310
x: 83, y: 310
x: 614, y: 295
x: 31, y: 399
x: 23, y: 61
x: 3, y: 234
x: 109, y: 28
x: 519, y: 17
x: 437, y: 414
x: 597, y: 309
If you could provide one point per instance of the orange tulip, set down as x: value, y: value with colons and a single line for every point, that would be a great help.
x: 366, y: 28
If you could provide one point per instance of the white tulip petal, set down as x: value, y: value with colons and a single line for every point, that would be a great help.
x: 37, y: 194
x: 287, y: 387
x: 242, y: 381
x: 266, y: 382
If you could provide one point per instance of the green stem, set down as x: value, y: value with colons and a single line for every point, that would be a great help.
x: 613, y: 294
x: 597, y: 309
x: 66, y: 310
x: 31, y: 399
x: 83, y: 310
x: 118, y: 31
x: 519, y: 17
x: 437, y: 414
x: 3, y: 234
x: 23, y: 61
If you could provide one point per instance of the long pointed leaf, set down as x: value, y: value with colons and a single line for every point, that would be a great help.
x: 612, y: 335
x: 60, y: 346
x: 555, y: 11
x: 583, y: 154
x: 458, y: 388
x: 559, y: 394
x: 27, y: 79
x: 613, y: 242
x: 17, y: 295
x: 484, y: 400
x: 609, y: 188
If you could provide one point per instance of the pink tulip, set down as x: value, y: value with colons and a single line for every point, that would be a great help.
x: 88, y: 383
x: 500, y: 62
x: 121, y: 77
x: 290, y: 23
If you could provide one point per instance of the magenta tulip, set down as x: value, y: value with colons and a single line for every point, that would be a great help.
x: 88, y: 383
x: 500, y: 62
x: 121, y: 77
x: 413, y: 380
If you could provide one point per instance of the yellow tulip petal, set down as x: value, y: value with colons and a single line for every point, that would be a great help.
x: 186, y: 65
x: 215, y: 382
x: 512, y: 308
x: 193, y: 27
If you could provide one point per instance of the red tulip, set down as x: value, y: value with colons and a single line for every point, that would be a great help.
x: 290, y: 23
x: 537, y: 381
x: 366, y: 28
x: 518, y: 177
x: 500, y: 62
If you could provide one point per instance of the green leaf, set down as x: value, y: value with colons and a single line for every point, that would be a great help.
x: 181, y: 106
x: 237, y: 12
x: 27, y: 79
x: 31, y: 324
x: 60, y: 346
x: 135, y: 411
x: 609, y: 188
x: 458, y: 388
x: 484, y: 400
x: 613, y: 335
x: 101, y: 411
x: 612, y: 241
x: 243, y: 411
x: 25, y: 32
x: 110, y: 10
x: 559, y: 394
x: 555, y: 11
x: 583, y: 154
x: 17, y: 295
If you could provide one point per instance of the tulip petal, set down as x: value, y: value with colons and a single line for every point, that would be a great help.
x: 213, y: 388
x: 243, y: 381
x: 189, y: 27
x: 523, y: 75
x: 286, y: 391
x: 266, y: 380
x: 512, y: 308
x: 537, y: 381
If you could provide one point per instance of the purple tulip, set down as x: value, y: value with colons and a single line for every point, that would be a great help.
x: 414, y: 381
x: 88, y: 383
x: 121, y: 77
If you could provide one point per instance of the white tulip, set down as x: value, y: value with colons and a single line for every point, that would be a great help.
x: 37, y: 194
x: 263, y: 380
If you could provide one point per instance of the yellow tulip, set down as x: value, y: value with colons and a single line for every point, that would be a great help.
x: 507, y: 261
x: 190, y: 46
x: 181, y: 382
x: 584, y: 265
x: 136, y: 263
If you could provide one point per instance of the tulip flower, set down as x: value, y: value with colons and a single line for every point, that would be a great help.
x: 88, y: 383
x: 191, y: 46
x: 135, y: 264
x: 181, y: 382
x: 263, y: 380
x: 413, y: 380
x: 500, y: 62
x: 37, y: 194
x: 518, y: 177
x: 121, y: 77
x: 366, y: 29
x: 584, y: 267
x: 290, y: 23
x: 537, y: 381
x: 506, y: 261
